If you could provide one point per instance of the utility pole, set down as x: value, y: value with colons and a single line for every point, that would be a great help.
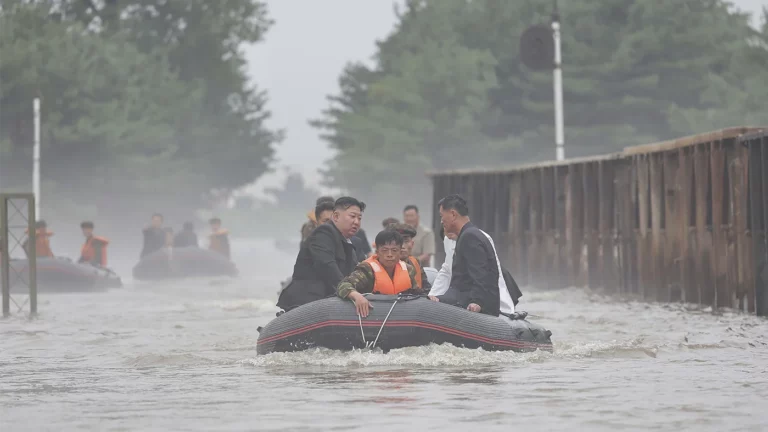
x: 36, y: 158
x: 540, y: 51
x: 557, y: 75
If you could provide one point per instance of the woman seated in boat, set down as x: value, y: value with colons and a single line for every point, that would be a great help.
x: 382, y: 273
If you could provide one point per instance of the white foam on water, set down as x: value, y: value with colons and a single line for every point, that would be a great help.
x: 425, y: 356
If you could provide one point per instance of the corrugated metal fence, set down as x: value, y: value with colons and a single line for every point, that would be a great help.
x: 683, y: 220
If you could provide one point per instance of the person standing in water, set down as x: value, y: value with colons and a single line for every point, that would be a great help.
x: 154, y: 236
x: 219, y: 237
x: 187, y: 237
x: 94, y: 250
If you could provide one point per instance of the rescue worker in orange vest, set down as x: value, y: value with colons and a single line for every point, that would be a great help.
x: 312, y: 220
x: 43, y: 242
x: 408, y: 233
x: 94, y: 250
x: 219, y: 238
x: 382, y: 273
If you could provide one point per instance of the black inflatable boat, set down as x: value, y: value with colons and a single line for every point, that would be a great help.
x: 397, y: 323
x: 182, y: 263
x: 63, y: 275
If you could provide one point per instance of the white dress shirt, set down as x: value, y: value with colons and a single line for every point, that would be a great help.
x: 443, y: 279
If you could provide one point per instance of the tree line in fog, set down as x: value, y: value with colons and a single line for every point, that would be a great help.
x: 448, y: 88
x: 144, y: 103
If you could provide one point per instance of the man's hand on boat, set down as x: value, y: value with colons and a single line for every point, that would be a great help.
x: 474, y: 307
x: 362, y: 305
x: 434, y: 298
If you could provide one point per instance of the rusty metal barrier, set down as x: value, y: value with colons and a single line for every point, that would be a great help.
x: 683, y: 220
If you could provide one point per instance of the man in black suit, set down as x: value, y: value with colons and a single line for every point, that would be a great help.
x: 474, y: 273
x: 325, y: 257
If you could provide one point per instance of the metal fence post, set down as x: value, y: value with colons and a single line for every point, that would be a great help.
x: 32, y: 259
x: 6, y: 258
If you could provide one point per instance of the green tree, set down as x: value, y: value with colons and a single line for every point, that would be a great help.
x: 109, y: 111
x: 449, y: 89
x: 224, y: 134
x: 295, y: 195
x: 423, y: 110
x: 143, y: 100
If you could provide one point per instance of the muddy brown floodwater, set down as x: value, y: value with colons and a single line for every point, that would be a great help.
x: 181, y: 356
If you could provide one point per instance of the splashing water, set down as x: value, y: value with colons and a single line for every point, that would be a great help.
x: 181, y: 356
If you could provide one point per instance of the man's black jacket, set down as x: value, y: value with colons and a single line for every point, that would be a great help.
x: 474, y: 273
x: 186, y: 238
x: 154, y: 240
x: 324, y: 259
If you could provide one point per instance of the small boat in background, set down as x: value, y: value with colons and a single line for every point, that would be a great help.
x: 61, y: 275
x: 177, y: 263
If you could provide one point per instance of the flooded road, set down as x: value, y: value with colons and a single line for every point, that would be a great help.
x: 181, y: 356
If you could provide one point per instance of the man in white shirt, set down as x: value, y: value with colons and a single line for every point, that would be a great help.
x: 443, y: 278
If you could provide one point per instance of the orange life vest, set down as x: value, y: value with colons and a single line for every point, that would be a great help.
x: 88, y: 252
x: 219, y: 242
x: 415, y: 263
x: 43, y: 243
x: 386, y: 285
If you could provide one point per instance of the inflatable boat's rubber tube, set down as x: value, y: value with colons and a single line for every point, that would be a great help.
x: 63, y: 275
x: 333, y: 323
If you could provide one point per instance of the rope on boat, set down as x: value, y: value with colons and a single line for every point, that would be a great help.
x: 372, y: 345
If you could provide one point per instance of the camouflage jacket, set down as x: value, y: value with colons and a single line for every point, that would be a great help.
x: 362, y: 280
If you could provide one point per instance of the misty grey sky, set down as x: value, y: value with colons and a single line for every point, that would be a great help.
x: 301, y: 59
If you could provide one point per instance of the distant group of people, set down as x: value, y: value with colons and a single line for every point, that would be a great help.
x: 157, y: 236
x: 335, y: 257
x: 93, y: 251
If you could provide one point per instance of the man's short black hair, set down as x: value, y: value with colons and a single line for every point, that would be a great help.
x: 389, y: 221
x: 388, y: 236
x: 41, y: 224
x: 189, y: 226
x: 86, y: 224
x: 454, y: 202
x: 346, y: 202
x: 323, y: 199
x: 157, y: 215
x: 214, y: 220
x: 405, y: 230
x: 410, y: 207
x: 322, y: 207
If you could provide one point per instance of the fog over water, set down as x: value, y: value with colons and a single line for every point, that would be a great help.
x: 181, y: 356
